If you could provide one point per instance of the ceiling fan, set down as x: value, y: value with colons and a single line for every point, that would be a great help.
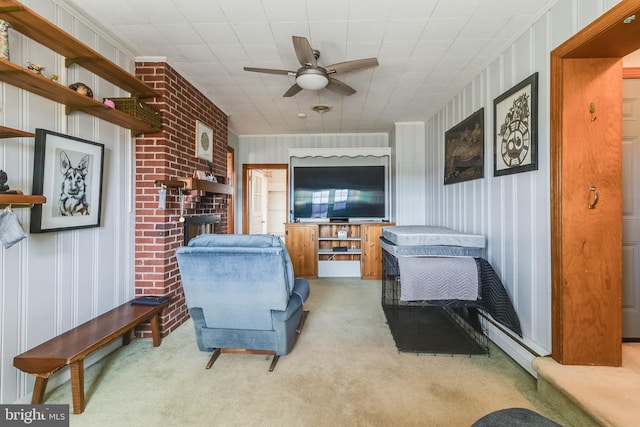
x: 311, y: 76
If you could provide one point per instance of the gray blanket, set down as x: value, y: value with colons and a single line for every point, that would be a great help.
x: 436, y: 278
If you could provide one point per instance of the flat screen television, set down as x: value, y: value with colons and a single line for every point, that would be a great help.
x: 344, y: 192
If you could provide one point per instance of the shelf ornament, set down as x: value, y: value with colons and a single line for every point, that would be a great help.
x: 4, y: 39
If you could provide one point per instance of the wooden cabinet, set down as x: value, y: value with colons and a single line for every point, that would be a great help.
x: 32, y: 25
x: 336, y: 249
x: 302, y: 244
x: 371, y: 262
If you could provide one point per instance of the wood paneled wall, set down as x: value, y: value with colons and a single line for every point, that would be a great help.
x: 51, y: 282
x: 513, y: 211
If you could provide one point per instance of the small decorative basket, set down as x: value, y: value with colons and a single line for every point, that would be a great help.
x: 138, y: 109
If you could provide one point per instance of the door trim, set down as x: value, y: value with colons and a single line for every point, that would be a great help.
x: 607, y: 37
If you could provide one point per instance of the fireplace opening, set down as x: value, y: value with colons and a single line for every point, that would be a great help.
x: 201, y: 224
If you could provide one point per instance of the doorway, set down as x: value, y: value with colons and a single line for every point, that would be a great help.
x: 631, y: 208
x: 586, y: 206
x: 231, y: 180
x: 265, y: 189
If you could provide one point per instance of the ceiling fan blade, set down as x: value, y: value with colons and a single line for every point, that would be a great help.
x: 355, y: 65
x: 339, y: 87
x: 303, y: 51
x: 292, y: 90
x: 270, y: 71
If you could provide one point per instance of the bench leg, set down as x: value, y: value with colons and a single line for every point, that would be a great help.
x: 155, y: 330
x: 77, y: 386
x: 126, y: 338
x: 38, y: 390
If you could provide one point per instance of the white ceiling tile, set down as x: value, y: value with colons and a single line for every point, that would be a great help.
x: 178, y: 34
x: 283, y: 31
x: 465, y: 48
x: 366, y: 31
x: 253, y: 32
x: 197, y: 53
x: 118, y: 11
x: 404, y: 30
x: 259, y: 53
x: 327, y: 10
x: 198, y: 11
x: 233, y: 53
x: 141, y: 34
x: 443, y: 28
x: 396, y: 50
x: 484, y: 28
x: 365, y: 9
x: 159, y: 11
x: 242, y: 11
x: 428, y: 51
x: 285, y: 10
x: 454, y: 8
x: 330, y: 32
x: 216, y: 33
x: 413, y: 9
x: 365, y: 49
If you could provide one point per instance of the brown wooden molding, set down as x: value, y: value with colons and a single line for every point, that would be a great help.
x: 631, y: 73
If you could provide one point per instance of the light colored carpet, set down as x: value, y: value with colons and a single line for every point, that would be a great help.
x: 610, y: 396
x: 343, y: 371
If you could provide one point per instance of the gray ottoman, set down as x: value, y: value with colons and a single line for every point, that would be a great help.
x: 514, y: 417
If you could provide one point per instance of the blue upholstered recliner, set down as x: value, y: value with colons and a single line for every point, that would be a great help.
x: 241, y: 294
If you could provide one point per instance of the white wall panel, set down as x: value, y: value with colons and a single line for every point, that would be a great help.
x: 410, y: 185
x: 511, y: 210
x: 51, y: 282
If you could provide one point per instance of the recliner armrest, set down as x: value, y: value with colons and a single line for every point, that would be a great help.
x: 301, y: 288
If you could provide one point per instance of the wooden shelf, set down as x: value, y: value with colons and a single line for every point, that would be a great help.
x: 34, y: 26
x: 171, y: 183
x: 47, y: 88
x: 206, y: 186
x: 20, y: 200
x: 6, y: 132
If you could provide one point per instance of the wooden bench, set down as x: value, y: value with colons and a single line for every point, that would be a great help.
x: 73, y: 346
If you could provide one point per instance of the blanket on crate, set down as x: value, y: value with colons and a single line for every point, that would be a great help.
x: 455, y: 287
x: 435, y: 278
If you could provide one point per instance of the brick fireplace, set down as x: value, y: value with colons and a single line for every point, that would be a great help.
x: 168, y: 155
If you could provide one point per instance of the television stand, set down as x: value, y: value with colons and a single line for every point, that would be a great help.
x: 311, y: 248
x: 338, y: 219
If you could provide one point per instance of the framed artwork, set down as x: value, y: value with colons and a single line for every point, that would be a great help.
x: 516, y: 128
x: 204, y: 141
x: 464, y: 150
x: 68, y: 171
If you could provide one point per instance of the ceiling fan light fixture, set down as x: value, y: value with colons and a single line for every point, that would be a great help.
x: 312, y: 80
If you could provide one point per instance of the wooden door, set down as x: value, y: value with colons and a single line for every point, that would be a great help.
x: 257, y: 214
x: 371, y: 262
x: 302, y: 243
x: 631, y: 209
x: 587, y: 222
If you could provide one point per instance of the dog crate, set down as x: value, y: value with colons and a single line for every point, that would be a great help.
x: 452, y: 327
x: 432, y: 327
